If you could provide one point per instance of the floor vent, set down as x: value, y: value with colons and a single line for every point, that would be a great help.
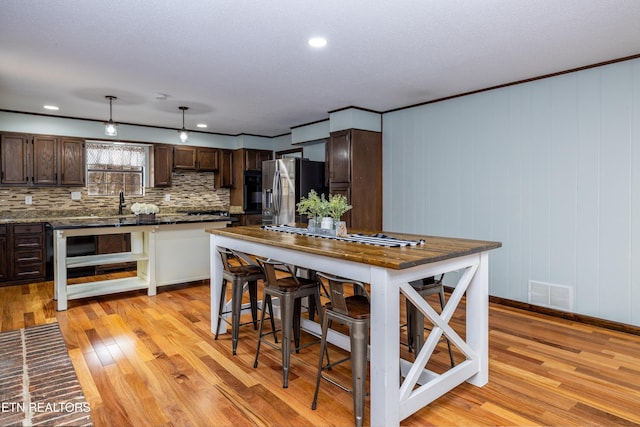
x: 551, y: 295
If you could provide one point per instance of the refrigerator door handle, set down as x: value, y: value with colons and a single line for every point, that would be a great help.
x: 277, y: 192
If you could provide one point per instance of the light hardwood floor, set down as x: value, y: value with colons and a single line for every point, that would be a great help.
x: 152, y: 361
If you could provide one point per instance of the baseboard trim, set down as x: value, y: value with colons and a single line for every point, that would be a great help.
x: 589, y: 320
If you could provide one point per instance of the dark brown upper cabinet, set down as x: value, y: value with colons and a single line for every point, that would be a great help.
x: 224, y: 175
x: 207, y: 159
x: 15, y: 152
x: 45, y: 160
x: 72, y: 162
x: 254, y: 158
x: 195, y: 158
x: 184, y: 157
x: 42, y: 160
x: 162, y: 165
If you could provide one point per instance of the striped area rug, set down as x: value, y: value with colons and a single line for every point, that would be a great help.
x: 38, y: 385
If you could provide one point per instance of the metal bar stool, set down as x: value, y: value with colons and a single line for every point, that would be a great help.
x: 415, y: 318
x: 352, y: 311
x: 289, y: 290
x: 238, y: 272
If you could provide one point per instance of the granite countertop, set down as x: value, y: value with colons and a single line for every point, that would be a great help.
x: 81, y: 219
x: 132, y: 220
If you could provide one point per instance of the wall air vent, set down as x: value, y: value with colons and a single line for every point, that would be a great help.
x: 551, y: 295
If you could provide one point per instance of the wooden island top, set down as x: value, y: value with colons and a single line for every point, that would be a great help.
x: 432, y: 250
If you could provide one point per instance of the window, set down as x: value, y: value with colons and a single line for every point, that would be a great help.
x: 115, y: 167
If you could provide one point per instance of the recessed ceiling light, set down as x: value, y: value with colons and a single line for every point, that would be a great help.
x: 317, y: 42
x: 201, y: 125
x: 51, y: 107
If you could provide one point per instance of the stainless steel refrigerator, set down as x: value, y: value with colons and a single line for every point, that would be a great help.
x: 284, y: 181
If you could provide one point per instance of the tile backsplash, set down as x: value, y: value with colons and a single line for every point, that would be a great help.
x: 189, y: 189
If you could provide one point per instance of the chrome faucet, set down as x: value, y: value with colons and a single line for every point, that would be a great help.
x: 121, y: 204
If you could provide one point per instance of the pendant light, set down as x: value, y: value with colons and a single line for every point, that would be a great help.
x: 184, y: 134
x: 110, y: 128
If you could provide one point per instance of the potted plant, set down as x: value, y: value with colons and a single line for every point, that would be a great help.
x: 325, y: 222
x: 145, y: 212
x: 338, y: 206
x: 312, y: 207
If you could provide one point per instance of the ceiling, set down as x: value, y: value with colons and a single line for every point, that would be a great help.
x: 245, y: 66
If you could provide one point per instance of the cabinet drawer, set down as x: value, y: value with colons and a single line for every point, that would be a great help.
x: 22, y: 271
x: 28, y: 228
x: 21, y: 241
x: 28, y: 256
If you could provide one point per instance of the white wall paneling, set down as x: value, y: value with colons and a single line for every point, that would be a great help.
x: 551, y: 168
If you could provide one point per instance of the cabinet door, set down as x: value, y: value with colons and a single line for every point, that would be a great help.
x: 4, y: 272
x: 15, y: 151
x: 207, y: 159
x: 224, y: 176
x: 263, y: 155
x: 254, y: 159
x: 184, y: 157
x: 339, y: 157
x: 162, y: 162
x: 344, y: 189
x: 72, y: 162
x: 253, y: 219
x: 45, y: 160
x: 251, y: 160
x: 113, y: 243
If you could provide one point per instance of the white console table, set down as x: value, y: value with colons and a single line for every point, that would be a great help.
x: 142, y: 252
x: 165, y: 254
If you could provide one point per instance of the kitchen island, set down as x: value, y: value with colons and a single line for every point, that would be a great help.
x: 388, y: 270
x: 171, y: 249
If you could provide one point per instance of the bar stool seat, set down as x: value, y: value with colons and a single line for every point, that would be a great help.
x: 415, y: 318
x: 242, y: 276
x: 289, y: 290
x: 352, y: 311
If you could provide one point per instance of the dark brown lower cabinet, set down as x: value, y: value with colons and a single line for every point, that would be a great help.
x: 247, y: 219
x: 110, y: 244
x: 22, y: 253
x: 4, y: 271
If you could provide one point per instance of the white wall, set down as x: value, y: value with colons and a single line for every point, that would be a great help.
x: 550, y: 168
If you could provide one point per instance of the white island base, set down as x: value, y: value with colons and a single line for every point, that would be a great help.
x: 165, y: 254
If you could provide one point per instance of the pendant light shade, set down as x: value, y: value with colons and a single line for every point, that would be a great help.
x: 184, y: 134
x: 110, y: 128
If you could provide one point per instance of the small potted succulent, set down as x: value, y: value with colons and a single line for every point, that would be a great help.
x: 338, y: 206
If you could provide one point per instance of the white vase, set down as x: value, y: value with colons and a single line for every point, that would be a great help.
x: 327, y: 223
